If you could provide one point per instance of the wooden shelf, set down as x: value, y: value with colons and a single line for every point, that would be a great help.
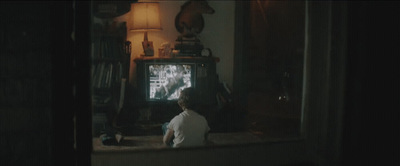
x: 174, y: 59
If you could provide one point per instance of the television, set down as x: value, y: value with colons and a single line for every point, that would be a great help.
x: 165, y: 81
x: 160, y: 80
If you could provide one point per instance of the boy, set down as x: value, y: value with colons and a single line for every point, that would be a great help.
x: 188, y: 128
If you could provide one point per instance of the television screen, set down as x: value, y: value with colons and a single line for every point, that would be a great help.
x: 165, y: 81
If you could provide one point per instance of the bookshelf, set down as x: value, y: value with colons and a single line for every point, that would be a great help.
x: 110, y: 54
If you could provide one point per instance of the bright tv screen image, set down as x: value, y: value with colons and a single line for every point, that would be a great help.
x: 165, y: 81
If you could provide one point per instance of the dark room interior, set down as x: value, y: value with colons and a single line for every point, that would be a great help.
x: 294, y: 83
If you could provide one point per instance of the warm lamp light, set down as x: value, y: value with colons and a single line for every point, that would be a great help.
x: 146, y: 17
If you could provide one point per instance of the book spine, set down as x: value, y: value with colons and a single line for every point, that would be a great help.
x: 96, y: 75
x: 101, y: 75
x: 110, y: 77
x: 106, y: 76
x: 122, y: 94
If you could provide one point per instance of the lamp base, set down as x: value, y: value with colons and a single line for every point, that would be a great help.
x: 148, y: 48
x: 143, y: 54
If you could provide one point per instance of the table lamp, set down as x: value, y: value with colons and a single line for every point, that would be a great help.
x: 146, y: 17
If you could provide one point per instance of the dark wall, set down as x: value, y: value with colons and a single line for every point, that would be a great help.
x: 371, y: 118
x: 25, y: 84
x: 36, y: 83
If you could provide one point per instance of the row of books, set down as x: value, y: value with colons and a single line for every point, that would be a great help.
x: 108, y: 47
x: 105, y: 73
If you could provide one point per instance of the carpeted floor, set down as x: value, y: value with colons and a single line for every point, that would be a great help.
x: 266, y: 121
x: 129, y: 143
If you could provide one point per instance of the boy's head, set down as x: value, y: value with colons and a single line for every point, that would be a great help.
x: 188, y: 98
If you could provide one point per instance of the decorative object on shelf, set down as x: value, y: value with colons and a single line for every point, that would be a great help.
x: 128, y: 48
x: 189, y: 47
x: 175, y: 53
x: 146, y: 17
x: 190, y: 22
x: 206, y: 52
x: 165, y: 50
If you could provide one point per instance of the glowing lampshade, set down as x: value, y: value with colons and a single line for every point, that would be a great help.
x: 146, y: 17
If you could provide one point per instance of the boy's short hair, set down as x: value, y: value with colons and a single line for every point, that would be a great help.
x: 188, y: 98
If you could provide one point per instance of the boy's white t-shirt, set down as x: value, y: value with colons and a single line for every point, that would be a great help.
x: 189, y: 129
